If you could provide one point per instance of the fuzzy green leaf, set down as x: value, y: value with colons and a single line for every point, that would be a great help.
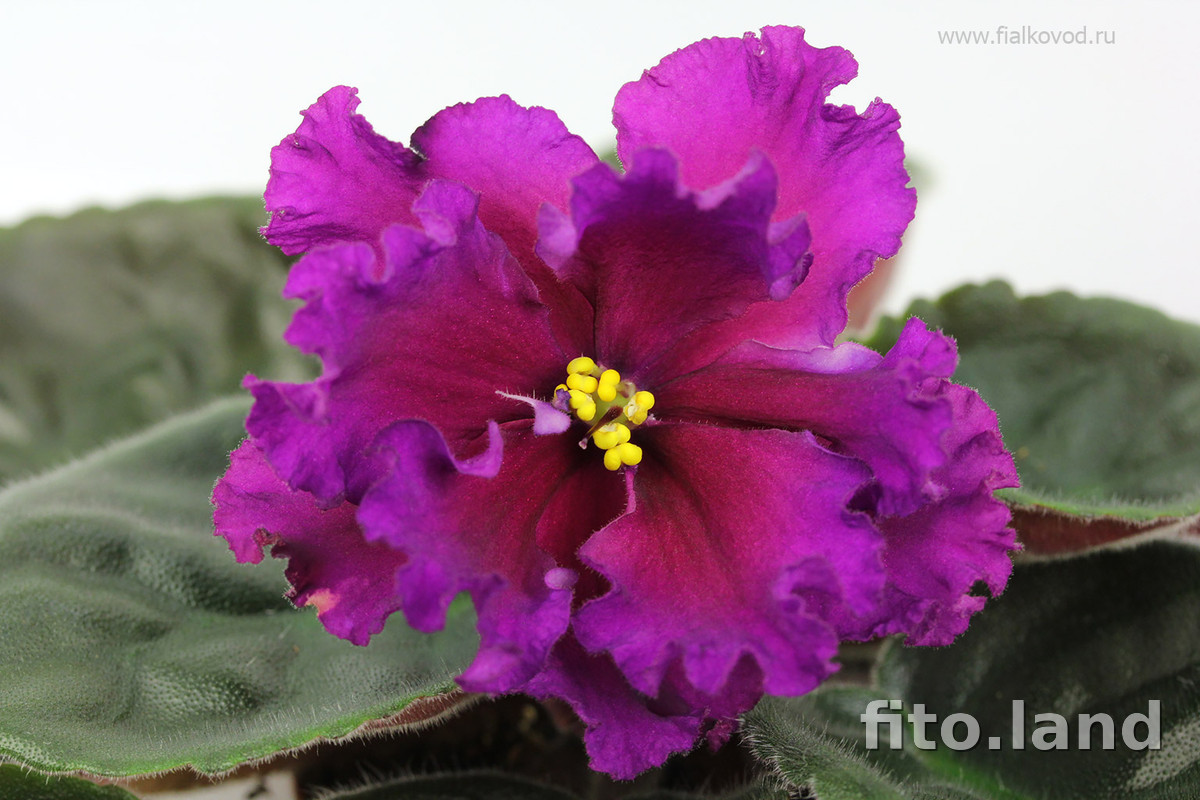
x: 21, y: 784
x: 1105, y: 634
x: 131, y: 642
x: 113, y: 320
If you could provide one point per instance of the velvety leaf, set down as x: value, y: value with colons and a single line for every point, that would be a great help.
x: 110, y: 321
x: 1103, y: 634
x: 131, y: 642
x: 17, y: 783
x: 1098, y: 399
x: 609, y: 156
x: 814, y: 744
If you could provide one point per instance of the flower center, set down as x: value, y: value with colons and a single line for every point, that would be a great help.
x: 612, y: 405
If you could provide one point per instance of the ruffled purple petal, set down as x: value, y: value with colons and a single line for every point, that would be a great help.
x: 433, y: 331
x: 516, y: 158
x: 658, y: 261
x: 737, y: 544
x: 624, y: 737
x: 470, y: 526
x: 350, y: 581
x: 717, y: 101
x: 935, y: 556
x: 336, y: 180
x: 883, y: 410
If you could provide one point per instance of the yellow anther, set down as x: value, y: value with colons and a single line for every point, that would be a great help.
x: 637, y: 409
x: 631, y: 454
x: 581, y: 366
x: 625, y: 453
x: 611, y: 405
x: 609, y: 436
x: 607, y: 385
x: 584, y: 383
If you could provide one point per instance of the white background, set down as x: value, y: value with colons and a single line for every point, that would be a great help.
x: 1054, y: 166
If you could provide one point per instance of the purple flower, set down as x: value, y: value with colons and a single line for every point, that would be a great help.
x: 612, y: 407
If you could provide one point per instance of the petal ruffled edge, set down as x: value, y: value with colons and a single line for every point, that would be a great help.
x: 516, y: 158
x: 937, y: 555
x: 450, y: 286
x: 350, y: 581
x: 455, y: 520
x: 624, y: 736
x: 716, y: 101
x: 336, y: 180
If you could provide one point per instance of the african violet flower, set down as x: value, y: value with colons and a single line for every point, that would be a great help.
x: 611, y: 407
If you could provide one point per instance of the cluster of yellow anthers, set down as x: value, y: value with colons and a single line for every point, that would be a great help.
x: 613, y: 405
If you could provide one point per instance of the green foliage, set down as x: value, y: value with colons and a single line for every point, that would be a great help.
x: 113, y: 320
x: 131, y: 642
x: 1103, y: 634
x: 21, y: 784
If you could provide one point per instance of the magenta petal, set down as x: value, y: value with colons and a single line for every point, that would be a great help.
x: 935, y: 556
x: 351, y: 582
x: 658, y: 261
x: 516, y: 158
x: 717, y: 101
x: 624, y: 736
x: 459, y: 524
x: 336, y: 180
x: 433, y: 331
x: 739, y: 542
x: 885, y: 411
x: 722, y: 711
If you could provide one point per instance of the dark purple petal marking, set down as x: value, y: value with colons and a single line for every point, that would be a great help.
x: 468, y: 525
x: 877, y: 409
x: 657, y: 261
